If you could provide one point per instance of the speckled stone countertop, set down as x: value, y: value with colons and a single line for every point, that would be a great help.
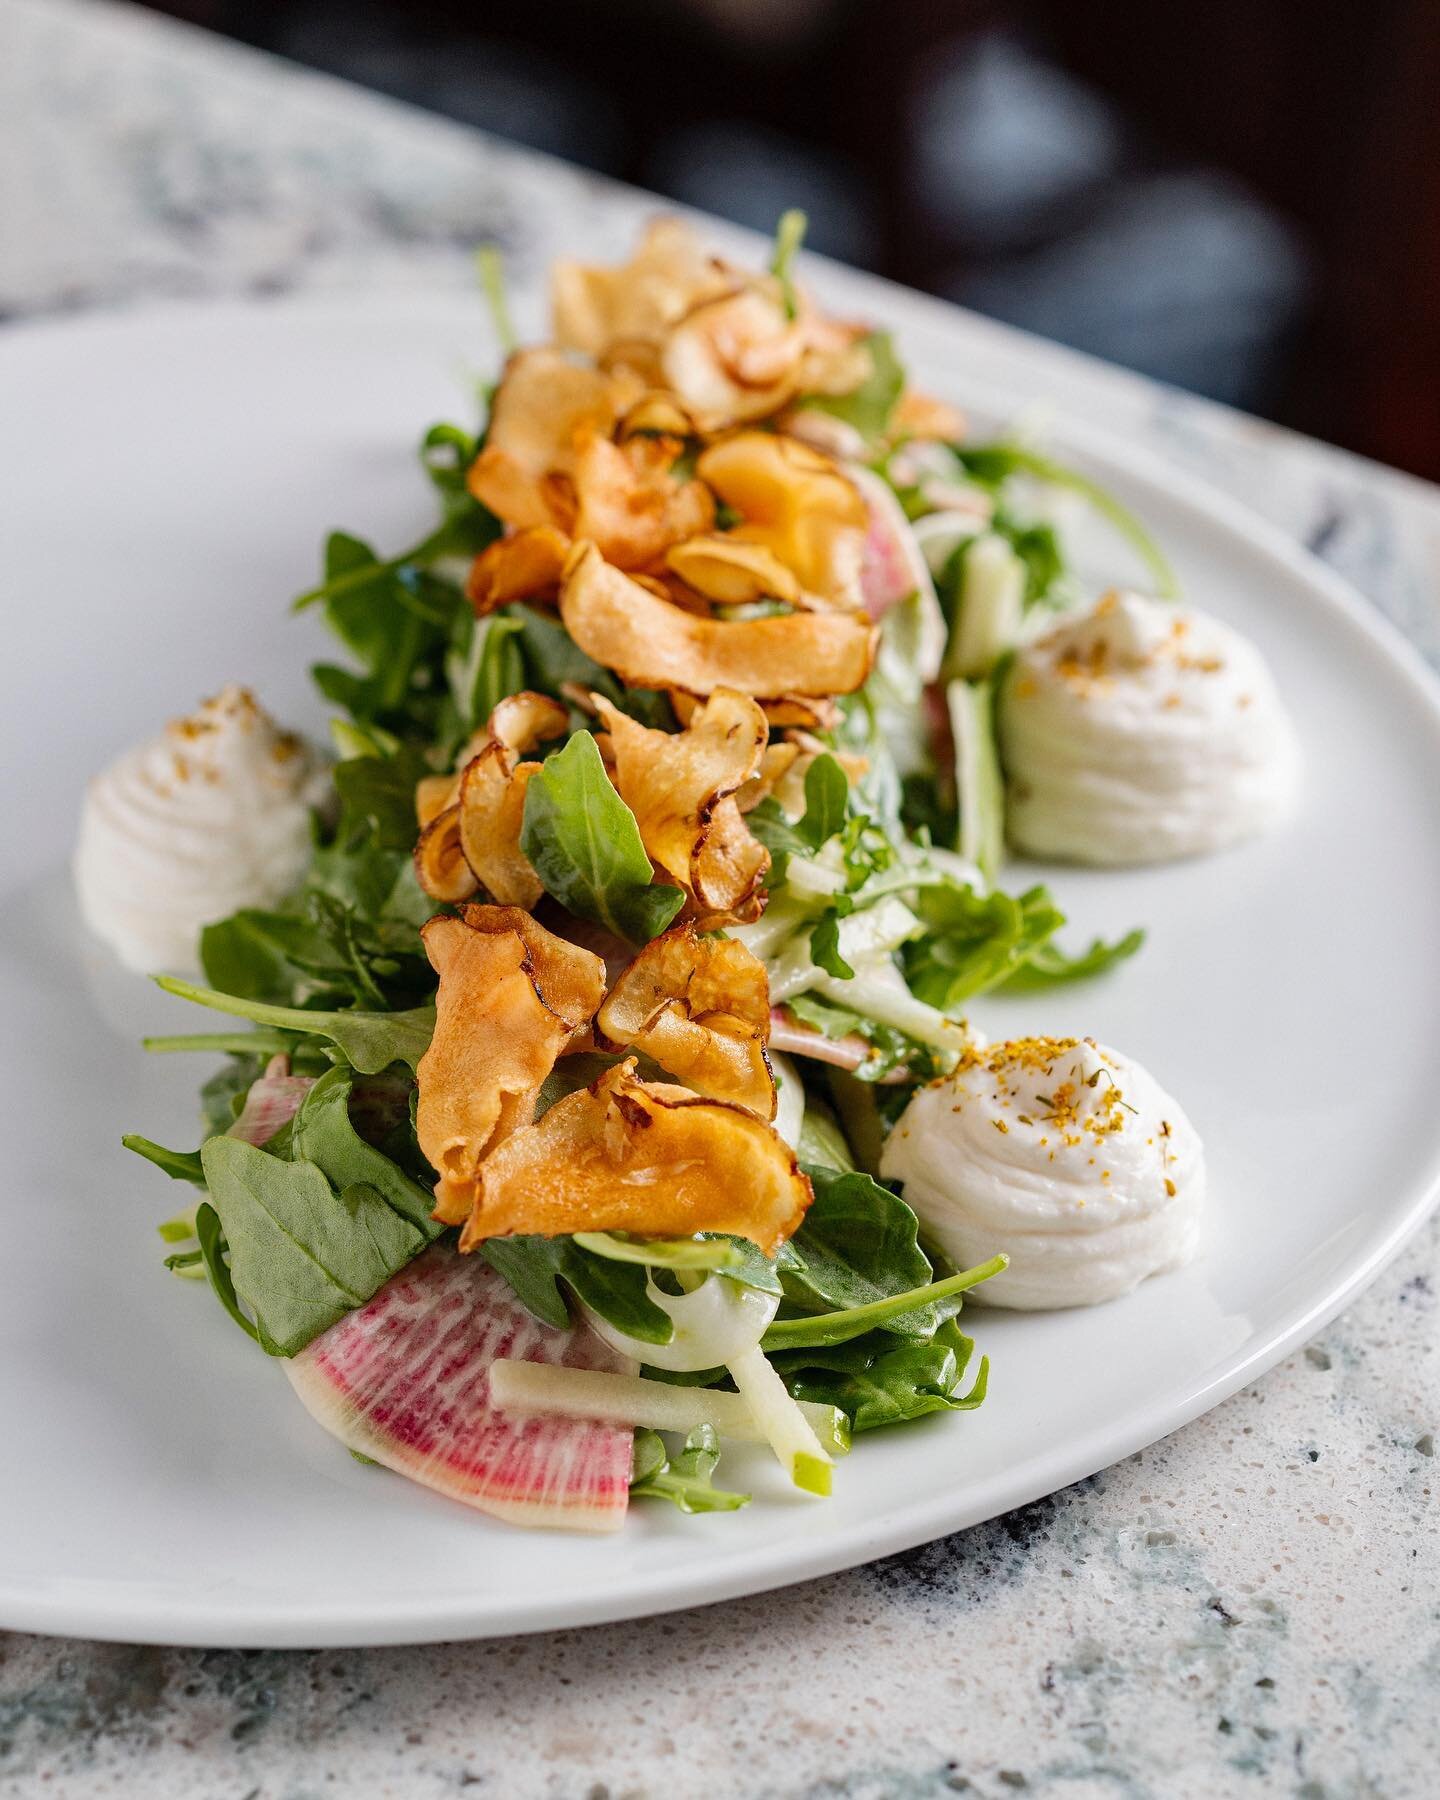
x: 1250, y: 1607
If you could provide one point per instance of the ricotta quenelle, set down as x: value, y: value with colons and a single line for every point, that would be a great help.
x: 212, y: 815
x: 1140, y: 732
x: 1064, y: 1154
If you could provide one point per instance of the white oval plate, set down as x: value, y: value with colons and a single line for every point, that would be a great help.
x: 167, y: 481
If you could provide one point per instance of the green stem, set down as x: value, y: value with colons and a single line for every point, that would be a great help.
x: 825, y: 1329
x: 492, y: 284
x: 233, y: 1043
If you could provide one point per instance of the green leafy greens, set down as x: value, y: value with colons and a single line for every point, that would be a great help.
x: 583, y: 843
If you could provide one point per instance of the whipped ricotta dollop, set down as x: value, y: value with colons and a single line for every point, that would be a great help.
x: 1140, y: 732
x: 1062, y: 1153
x: 212, y: 815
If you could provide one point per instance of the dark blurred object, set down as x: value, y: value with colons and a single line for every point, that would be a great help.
x: 1242, y: 199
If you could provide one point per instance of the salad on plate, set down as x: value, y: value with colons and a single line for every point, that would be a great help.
x: 596, y: 1086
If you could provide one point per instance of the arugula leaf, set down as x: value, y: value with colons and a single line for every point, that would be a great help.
x: 1048, y: 965
x: 869, y: 408
x: 827, y: 795
x: 301, y: 1255
x: 535, y: 1267
x: 975, y: 941
x: 822, y: 1140
x: 875, y: 1382
x: 217, y: 1270
x: 735, y: 1258
x: 369, y: 1041
x: 859, y: 1243
x: 1038, y: 547
x: 685, y: 1480
x: 825, y: 947
x: 377, y: 798
x: 324, y: 1135
x: 822, y: 1330
x: 584, y: 844
x: 179, y: 1165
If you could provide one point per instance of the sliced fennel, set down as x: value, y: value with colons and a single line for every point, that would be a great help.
x: 550, y: 1390
x: 990, y: 607
x: 872, y: 932
x: 716, y: 1320
x: 978, y: 782
x: 878, y: 992
x: 786, y: 1427
x: 789, y: 1118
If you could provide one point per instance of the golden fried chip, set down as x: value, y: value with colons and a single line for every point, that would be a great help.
x: 600, y: 310
x: 495, y: 1041
x: 440, y: 865
x: 542, y: 405
x: 525, y: 565
x: 798, y: 504
x: 724, y: 569
x: 700, y: 1006
x: 653, y: 643
x: 774, y: 767
x: 492, y: 796
x: 736, y: 357
x: 642, y: 1157
x: 783, y: 710
x: 628, y: 501
x: 570, y: 978
x: 680, y: 787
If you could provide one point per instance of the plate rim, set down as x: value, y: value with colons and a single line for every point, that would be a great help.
x: 109, y: 1614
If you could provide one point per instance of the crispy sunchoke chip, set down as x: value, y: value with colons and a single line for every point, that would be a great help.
x: 736, y: 357
x: 526, y: 565
x: 571, y: 979
x: 775, y: 765
x: 440, y: 864
x: 700, y: 1006
x: 496, y: 1039
x: 643, y: 1157
x: 542, y: 405
x: 492, y: 797
x: 597, y: 310
x: 629, y: 502
x: 653, y: 643
x: 726, y: 570
x: 796, y: 503
x: 783, y: 710
x: 681, y: 786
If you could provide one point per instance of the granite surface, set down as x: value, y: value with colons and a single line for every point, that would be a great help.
x: 1250, y: 1607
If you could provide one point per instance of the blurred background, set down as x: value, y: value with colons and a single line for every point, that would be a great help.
x: 1238, y: 196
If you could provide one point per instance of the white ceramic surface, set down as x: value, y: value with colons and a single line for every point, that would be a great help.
x: 167, y: 482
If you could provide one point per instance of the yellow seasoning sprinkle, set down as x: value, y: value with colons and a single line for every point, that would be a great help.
x: 1169, y: 1187
x: 1000, y: 1125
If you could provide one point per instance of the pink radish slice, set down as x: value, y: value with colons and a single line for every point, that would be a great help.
x: 273, y: 1100
x: 892, y: 566
x: 848, y: 1052
x: 406, y: 1380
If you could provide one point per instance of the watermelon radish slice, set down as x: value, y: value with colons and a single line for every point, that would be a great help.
x: 273, y: 1100
x: 405, y: 1380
